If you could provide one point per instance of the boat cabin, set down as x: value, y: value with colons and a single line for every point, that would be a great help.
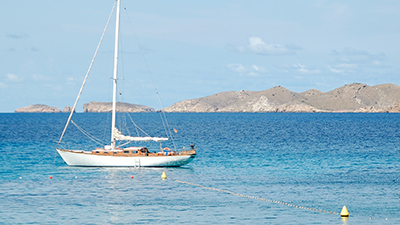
x: 130, y: 151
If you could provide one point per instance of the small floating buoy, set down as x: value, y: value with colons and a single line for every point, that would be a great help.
x: 131, y: 177
x: 20, y: 177
x: 51, y: 177
x: 163, y: 176
x: 344, y: 212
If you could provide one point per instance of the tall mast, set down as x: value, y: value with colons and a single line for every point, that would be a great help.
x: 114, y: 105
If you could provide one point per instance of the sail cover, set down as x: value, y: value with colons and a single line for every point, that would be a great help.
x: 119, y: 136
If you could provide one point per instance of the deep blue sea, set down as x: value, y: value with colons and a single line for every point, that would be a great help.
x: 311, y: 160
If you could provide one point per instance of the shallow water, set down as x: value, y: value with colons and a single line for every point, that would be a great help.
x: 321, y: 161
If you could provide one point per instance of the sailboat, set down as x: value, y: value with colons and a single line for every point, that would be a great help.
x: 113, y: 156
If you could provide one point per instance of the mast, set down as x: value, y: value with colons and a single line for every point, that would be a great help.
x: 114, y: 104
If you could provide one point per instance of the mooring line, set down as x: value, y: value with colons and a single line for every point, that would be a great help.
x: 260, y: 199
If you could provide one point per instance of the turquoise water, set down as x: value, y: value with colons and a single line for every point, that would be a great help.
x: 321, y: 161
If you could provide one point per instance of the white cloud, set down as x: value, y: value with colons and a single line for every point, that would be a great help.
x: 54, y: 87
x: 343, y: 68
x: 255, y: 67
x: 377, y: 63
x: 299, y: 77
x: 306, y: 71
x: 3, y: 85
x: 71, y: 80
x: 236, y: 67
x: 13, y: 78
x: 257, y: 45
x: 251, y: 71
x: 253, y: 74
x: 259, y: 68
x: 333, y: 70
x: 347, y: 65
x: 298, y: 65
x: 40, y: 77
x: 17, y: 36
x: 353, y: 58
x: 302, y: 69
x: 240, y: 49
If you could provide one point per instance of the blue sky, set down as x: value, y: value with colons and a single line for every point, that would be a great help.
x: 192, y: 49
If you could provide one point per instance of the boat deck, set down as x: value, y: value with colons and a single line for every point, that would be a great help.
x: 132, y: 152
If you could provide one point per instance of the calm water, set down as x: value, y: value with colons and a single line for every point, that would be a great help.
x: 321, y: 161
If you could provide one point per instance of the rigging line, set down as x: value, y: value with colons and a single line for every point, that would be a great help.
x: 137, y: 127
x: 91, y: 137
x: 106, y: 126
x: 169, y: 129
x: 163, y: 118
x: 121, y: 88
x: 87, y: 74
x: 126, y: 124
x: 124, y: 144
x: 121, y: 93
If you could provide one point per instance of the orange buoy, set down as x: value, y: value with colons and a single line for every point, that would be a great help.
x: 51, y: 177
x: 131, y: 177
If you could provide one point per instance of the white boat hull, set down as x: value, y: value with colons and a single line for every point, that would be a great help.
x: 81, y: 158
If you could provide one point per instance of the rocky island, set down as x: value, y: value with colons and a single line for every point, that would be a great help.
x: 38, y: 108
x: 121, y: 107
x: 97, y: 107
x: 354, y: 97
x: 67, y: 109
x: 349, y: 98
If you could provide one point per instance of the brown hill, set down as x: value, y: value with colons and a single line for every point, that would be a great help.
x: 121, y: 107
x: 358, y: 98
x: 213, y: 103
x: 38, y: 108
x: 349, y: 98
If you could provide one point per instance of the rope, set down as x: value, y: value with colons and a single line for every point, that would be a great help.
x: 124, y: 144
x: 87, y: 74
x: 257, y: 198
x: 166, y: 121
x: 87, y: 134
x: 137, y: 127
x: 162, y: 114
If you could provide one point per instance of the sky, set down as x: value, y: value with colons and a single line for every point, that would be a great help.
x: 190, y: 49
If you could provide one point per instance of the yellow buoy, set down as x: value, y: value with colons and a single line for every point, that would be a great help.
x: 344, y: 212
x: 163, y: 176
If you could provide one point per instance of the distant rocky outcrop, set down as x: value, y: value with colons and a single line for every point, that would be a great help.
x: 349, y: 98
x: 38, y: 108
x: 354, y: 97
x: 67, y: 109
x: 121, y: 107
